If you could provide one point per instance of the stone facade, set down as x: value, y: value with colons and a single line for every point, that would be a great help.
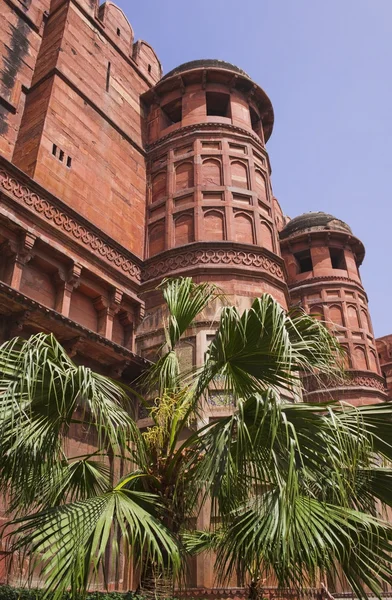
x: 113, y: 177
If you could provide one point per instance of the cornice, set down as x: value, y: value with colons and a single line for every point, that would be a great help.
x: 22, y: 190
x: 319, y: 281
x: 195, y: 127
x: 35, y: 307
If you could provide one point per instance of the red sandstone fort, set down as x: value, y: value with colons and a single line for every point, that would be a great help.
x: 113, y: 176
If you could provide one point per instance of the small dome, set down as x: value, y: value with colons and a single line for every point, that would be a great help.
x: 206, y: 62
x: 314, y: 221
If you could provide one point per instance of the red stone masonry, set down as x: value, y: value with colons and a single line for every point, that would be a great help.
x: 113, y: 177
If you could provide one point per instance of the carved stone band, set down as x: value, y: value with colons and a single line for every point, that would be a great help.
x: 48, y: 211
x: 256, y: 259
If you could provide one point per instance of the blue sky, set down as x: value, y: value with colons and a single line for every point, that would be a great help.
x: 327, y: 67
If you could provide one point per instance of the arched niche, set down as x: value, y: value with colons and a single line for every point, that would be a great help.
x: 184, y: 176
x: 365, y: 320
x: 214, y: 227
x: 336, y: 315
x: 158, y: 185
x: 211, y: 172
x: 267, y: 240
x: 352, y: 315
x: 317, y: 312
x: 360, y: 361
x: 239, y: 174
x: 260, y: 185
x: 156, y: 238
x: 243, y: 228
x: 373, y: 361
x: 183, y: 229
x: 346, y: 357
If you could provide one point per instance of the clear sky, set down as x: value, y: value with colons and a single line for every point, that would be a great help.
x: 327, y: 67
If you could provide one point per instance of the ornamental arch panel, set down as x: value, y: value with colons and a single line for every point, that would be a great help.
x: 184, y: 176
x: 214, y: 226
x: 239, y: 174
x: 243, y: 228
x: 211, y: 172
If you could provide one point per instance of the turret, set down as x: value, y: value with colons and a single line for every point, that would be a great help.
x: 322, y: 257
x: 210, y: 209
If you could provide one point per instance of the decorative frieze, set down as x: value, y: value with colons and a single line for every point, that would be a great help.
x: 58, y: 217
x: 210, y: 256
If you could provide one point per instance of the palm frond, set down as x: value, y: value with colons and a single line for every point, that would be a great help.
x: 67, y: 544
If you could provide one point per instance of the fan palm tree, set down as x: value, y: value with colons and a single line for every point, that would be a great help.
x: 297, y: 490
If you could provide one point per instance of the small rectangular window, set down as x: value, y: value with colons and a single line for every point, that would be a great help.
x: 54, y: 150
x: 69, y: 162
x: 61, y: 156
x: 118, y: 31
x: 149, y: 68
x: 218, y: 104
x: 337, y: 258
x: 304, y: 261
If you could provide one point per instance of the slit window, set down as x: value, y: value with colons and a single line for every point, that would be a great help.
x: 149, y: 68
x: 218, y: 104
x: 108, y: 76
x: 69, y: 162
x: 118, y: 32
x: 337, y: 258
x: 304, y: 261
x: 61, y: 156
x: 172, y: 112
x: 54, y: 150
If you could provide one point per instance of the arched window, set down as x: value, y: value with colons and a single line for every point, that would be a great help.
x: 183, y: 230
x: 211, y: 172
x: 214, y: 226
x: 184, y: 176
x: 239, y: 174
x: 243, y: 228
x: 156, y: 238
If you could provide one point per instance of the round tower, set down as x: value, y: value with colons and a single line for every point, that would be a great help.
x: 210, y: 209
x: 322, y: 258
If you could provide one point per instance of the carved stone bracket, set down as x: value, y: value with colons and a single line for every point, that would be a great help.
x: 15, y: 323
x: 73, y: 345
